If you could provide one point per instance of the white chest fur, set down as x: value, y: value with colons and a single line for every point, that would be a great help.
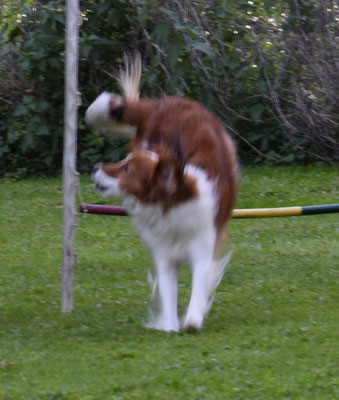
x: 174, y: 231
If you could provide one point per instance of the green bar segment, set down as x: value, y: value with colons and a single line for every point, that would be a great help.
x: 323, y: 209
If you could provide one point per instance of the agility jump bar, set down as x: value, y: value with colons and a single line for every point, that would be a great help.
x: 237, y: 213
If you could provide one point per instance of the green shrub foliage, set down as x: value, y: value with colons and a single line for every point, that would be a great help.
x: 267, y: 69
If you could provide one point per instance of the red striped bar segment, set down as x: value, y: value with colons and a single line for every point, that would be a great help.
x: 103, y: 210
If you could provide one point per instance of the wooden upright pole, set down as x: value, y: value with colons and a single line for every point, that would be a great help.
x: 69, y: 156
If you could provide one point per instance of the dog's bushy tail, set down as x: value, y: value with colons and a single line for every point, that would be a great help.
x: 129, y: 77
x: 106, y: 112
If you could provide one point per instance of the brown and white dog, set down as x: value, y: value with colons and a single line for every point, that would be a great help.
x: 179, y: 184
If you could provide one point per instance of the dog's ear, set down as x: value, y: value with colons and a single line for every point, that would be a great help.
x: 176, y: 145
x: 167, y: 178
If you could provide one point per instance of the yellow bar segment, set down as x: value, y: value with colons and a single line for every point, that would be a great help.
x: 267, y: 212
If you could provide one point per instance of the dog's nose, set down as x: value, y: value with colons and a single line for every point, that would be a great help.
x: 96, y: 167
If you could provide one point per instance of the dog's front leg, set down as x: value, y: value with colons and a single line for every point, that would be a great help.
x: 167, y: 282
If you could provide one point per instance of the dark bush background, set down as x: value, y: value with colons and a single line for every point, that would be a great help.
x: 267, y: 69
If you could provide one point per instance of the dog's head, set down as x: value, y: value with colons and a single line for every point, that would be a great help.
x: 147, y: 175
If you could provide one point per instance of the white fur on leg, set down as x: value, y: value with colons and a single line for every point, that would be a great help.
x: 199, y: 297
x: 153, y: 305
x: 164, y: 295
x: 202, y: 258
x: 206, y: 278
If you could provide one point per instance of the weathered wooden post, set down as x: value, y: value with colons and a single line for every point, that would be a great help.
x: 69, y: 156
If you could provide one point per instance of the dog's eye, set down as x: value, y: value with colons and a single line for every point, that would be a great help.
x: 127, y: 168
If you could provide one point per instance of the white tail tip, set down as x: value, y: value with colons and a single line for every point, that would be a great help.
x: 97, y: 113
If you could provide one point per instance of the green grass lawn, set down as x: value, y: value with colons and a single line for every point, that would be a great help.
x: 272, y: 332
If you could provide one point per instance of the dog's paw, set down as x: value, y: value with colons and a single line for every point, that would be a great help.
x: 193, y: 324
x: 191, y: 329
x: 161, y: 325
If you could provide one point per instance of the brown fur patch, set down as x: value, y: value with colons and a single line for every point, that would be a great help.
x: 203, y: 142
x: 153, y: 180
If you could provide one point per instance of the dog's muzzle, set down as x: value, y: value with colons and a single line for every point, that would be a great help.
x: 99, y: 188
